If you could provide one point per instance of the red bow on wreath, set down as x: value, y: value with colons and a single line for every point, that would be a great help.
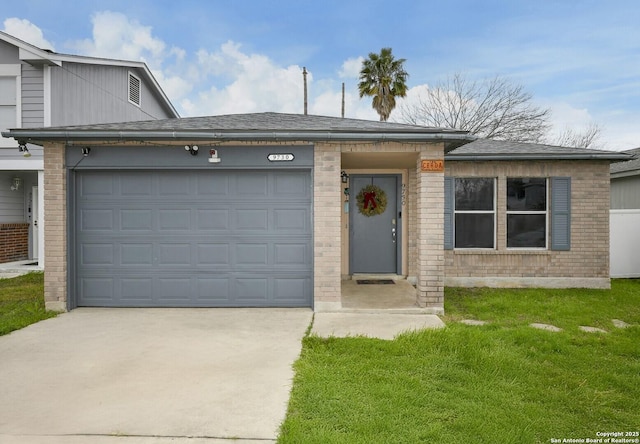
x: 370, y: 199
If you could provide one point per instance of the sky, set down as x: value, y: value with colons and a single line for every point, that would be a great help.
x: 578, y: 58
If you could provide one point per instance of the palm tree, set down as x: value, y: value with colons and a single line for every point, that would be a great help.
x: 384, y: 78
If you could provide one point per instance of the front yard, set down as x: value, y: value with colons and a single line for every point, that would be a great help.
x: 504, y: 382
x: 22, y: 302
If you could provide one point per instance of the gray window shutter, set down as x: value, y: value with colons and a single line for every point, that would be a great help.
x: 561, y: 213
x: 449, y: 196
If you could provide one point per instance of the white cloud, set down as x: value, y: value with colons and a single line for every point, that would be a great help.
x: 351, y: 68
x: 256, y: 84
x: 27, y: 31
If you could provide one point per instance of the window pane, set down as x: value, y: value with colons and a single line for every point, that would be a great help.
x: 7, y: 90
x: 526, y: 231
x: 474, y: 194
x: 527, y: 194
x: 474, y: 230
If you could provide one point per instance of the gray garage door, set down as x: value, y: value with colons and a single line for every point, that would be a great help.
x: 193, y: 239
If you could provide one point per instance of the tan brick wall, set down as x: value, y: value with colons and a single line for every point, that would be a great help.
x: 14, y: 242
x: 327, y: 204
x: 589, y: 254
x: 430, y: 232
x: 55, y: 229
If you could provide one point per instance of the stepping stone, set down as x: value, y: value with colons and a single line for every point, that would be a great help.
x: 545, y: 327
x: 592, y: 329
x: 472, y: 322
x: 620, y: 324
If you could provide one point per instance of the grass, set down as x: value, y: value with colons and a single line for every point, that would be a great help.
x: 22, y: 302
x: 503, y: 382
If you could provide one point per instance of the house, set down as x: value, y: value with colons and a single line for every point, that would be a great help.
x: 625, y: 217
x: 268, y: 210
x: 40, y: 88
x: 625, y: 182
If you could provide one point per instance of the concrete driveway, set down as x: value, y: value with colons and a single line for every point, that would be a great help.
x: 134, y: 376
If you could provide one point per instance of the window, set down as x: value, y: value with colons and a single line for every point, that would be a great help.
x: 9, y: 100
x: 134, y: 89
x: 474, y: 213
x: 526, y: 213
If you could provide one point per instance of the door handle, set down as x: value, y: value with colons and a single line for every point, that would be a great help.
x: 393, y: 234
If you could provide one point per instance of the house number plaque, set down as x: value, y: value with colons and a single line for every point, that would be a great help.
x: 432, y: 166
x: 288, y: 157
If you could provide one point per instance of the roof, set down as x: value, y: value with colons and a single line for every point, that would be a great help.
x: 489, y: 149
x: 241, y: 127
x: 628, y: 168
x: 36, y: 56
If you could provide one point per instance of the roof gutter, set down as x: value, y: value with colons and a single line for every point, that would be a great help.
x: 500, y: 157
x: 39, y: 136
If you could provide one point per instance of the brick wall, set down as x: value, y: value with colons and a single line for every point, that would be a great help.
x: 327, y: 205
x: 586, y: 264
x: 55, y: 229
x: 14, y: 242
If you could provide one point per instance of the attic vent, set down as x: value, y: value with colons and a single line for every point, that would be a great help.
x: 134, y: 89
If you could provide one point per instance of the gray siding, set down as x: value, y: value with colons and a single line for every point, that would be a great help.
x: 625, y: 193
x: 84, y: 94
x: 32, y: 97
x: 8, y: 53
x: 11, y: 202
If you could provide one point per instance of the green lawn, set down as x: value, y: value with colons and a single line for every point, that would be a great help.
x: 504, y: 382
x: 22, y: 302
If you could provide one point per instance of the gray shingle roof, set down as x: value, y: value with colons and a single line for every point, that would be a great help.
x: 503, y: 150
x: 628, y: 166
x: 267, y: 121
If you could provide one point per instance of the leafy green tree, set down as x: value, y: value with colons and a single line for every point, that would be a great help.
x: 383, y: 77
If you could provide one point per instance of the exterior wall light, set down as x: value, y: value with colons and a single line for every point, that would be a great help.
x: 16, y: 183
x: 344, y: 177
x: 22, y: 147
x: 192, y: 149
x: 85, y: 151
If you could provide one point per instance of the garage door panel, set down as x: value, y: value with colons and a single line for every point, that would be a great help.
x: 135, y: 185
x: 212, y: 219
x: 233, y: 238
x: 97, y: 219
x: 136, y: 289
x: 252, y: 185
x: 96, y: 254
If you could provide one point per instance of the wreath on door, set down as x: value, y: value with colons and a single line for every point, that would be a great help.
x: 372, y: 200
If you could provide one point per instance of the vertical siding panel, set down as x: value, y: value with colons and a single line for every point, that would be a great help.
x: 32, y: 97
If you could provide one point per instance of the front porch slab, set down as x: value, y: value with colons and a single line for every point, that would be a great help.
x: 372, y: 325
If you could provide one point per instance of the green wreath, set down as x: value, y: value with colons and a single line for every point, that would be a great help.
x: 372, y: 200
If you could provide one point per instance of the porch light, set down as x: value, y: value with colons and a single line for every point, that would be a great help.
x: 344, y: 176
x: 85, y: 151
x: 16, y: 183
x: 22, y: 147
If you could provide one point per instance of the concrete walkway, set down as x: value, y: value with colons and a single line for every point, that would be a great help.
x: 378, y: 325
x: 137, y: 376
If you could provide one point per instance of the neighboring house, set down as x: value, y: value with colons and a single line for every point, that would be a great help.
x: 40, y: 88
x: 625, y: 183
x: 625, y: 217
x: 275, y: 210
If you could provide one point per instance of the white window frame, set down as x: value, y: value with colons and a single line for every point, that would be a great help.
x: 139, y: 103
x: 520, y: 212
x: 14, y: 71
x: 494, y: 212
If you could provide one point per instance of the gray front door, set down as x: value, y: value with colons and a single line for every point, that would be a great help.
x: 193, y: 238
x: 374, y: 238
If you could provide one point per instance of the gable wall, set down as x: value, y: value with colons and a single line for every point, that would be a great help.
x: 586, y: 264
x: 87, y: 94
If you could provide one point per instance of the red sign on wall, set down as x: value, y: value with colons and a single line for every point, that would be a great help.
x: 432, y: 166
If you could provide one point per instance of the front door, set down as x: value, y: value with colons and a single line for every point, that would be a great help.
x: 374, y: 222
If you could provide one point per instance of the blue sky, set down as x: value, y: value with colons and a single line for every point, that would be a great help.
x: 581, y: 59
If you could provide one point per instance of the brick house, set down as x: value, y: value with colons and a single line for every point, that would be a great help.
x: 275, y: 210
